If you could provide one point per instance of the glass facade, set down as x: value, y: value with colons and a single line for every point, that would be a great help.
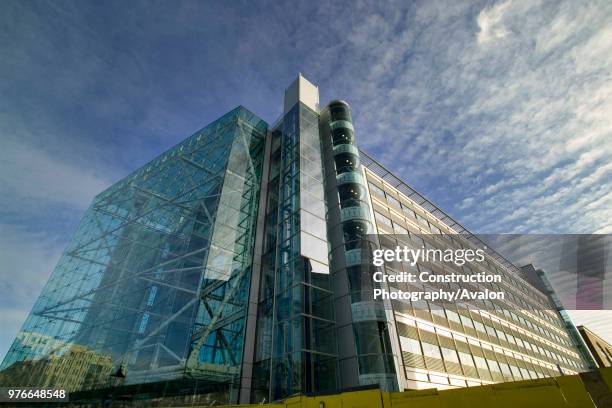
x: 153, y: 285
x: 236, y: 267
x: 296, y: 350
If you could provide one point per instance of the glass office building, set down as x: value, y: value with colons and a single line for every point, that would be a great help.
x: 236, y: 268
x: 153, y: 287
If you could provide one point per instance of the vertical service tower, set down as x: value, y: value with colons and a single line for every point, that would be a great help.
x: 364, y: 347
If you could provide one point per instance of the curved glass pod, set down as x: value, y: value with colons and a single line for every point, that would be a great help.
x: 346, y: 148
x: 342, y: 136
x: 342, y: 132
x: 353, y: 214
x: 353, y: 195
x: 339, y: 110
x: 341, y: 124
x: 351, y: 191
x: 349, y: 177
x: 355, y: 232
x: 346, y: 162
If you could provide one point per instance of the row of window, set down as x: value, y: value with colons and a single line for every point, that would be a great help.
x: 440, y: 379
x: 409, y: 212
x: 467, y: 360
x: 493, y: 333
x: 512, y: 283
x: 417, y: 242
x: 500, y: 310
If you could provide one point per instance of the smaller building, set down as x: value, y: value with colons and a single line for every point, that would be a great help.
x: 78, y: 368
x: 599, y: 348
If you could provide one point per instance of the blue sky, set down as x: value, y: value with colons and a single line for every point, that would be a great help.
x: 499, y: 112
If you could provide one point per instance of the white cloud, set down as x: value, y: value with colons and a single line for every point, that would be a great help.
x: 521, y: 137
x: 29, y: 173
x: 26, y: 261
x: 490, y: 22
x: 12, y: 319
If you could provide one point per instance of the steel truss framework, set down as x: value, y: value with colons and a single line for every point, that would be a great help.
x: 157, y: 274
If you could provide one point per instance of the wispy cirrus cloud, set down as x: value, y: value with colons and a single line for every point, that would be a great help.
x: 499, y: 113
x: 490, y: 23
x: 32, y: 175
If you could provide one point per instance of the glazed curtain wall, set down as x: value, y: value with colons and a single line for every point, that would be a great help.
x: 154, y: 283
